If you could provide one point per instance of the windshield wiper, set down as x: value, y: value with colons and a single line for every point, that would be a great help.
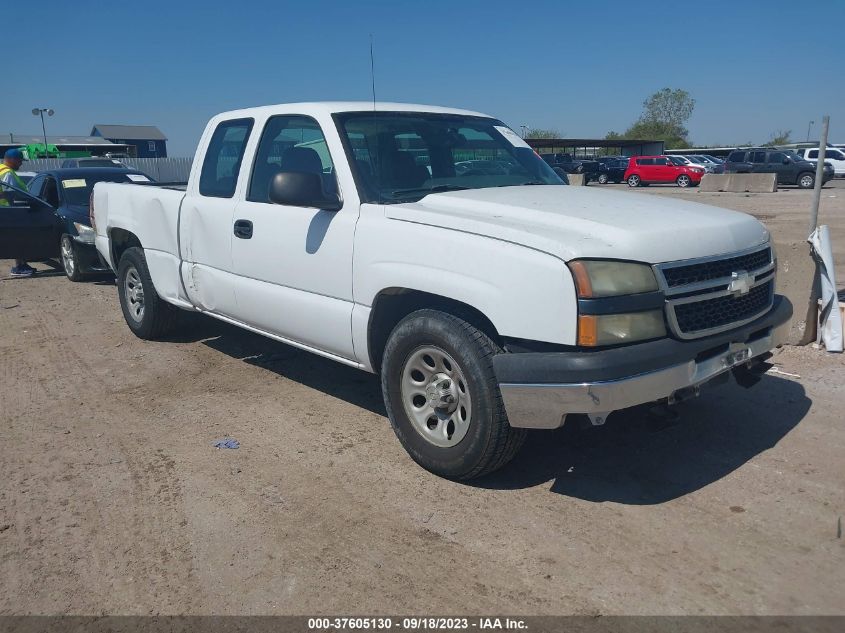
x: 428, y: 190
x: 523, y: 184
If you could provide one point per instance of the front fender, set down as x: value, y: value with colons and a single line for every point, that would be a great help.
x: 525, y: 293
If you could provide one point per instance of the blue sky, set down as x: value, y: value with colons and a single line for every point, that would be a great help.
x: 580, y: 67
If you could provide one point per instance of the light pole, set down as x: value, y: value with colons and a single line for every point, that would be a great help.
x: 41, y: 111
x: 808, y: 130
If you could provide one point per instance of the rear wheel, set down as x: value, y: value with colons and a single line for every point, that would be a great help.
x: 683, y: 181
x: 442, y: 397
x: 144, y: 311
x: 602, y: 179
x: 70, y: 258
x: 634, y: 180
x: 806, y: 180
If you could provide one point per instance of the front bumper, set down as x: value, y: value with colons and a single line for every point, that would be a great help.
x: 540, y: 389
x: 89, y: 259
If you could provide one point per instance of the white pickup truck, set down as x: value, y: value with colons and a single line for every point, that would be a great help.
x: 434, y: 247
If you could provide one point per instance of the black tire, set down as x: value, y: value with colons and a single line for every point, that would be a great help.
x: 634, y: 180
x: 602, y: 179
x: 806, y: 180
x: 70, y: 258
x: 490, y: 442
x: 156, y: 317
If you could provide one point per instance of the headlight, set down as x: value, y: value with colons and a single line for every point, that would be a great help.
x: 612, y: 329
x: 597, y: 278
x: 86, y: 233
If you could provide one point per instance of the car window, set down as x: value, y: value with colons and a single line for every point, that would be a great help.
x: 758, y: 157
x: 736, y: 157
x: 645, y: 161
x: 813, y: 153
x: 834, y: 154
x: 35, y: 186
x: 223, y: 158
x: 776, y: 157
x: 661, y: 161
x: 50, y: 192
x: 290, y: 143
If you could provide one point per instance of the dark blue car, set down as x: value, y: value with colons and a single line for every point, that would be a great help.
x: 53, y: 220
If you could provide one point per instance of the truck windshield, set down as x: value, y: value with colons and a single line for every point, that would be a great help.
x: 404, y: 156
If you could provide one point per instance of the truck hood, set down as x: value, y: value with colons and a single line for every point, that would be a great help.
x: 573, y: 222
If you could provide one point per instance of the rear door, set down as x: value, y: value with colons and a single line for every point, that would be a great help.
x: 759, y: 162
x: 205, y: 220
x: 29, y: 227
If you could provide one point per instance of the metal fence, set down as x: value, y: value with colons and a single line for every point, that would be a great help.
x: 161, y: 169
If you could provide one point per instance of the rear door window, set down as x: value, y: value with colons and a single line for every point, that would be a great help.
x: 223, y: 158
x: 758, y: 157
x: 736, y: 157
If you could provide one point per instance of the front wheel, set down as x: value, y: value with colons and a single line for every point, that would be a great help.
x: 146, y: 314
x: 683, y: 181
x: 602, y: 179
x: 442, y: 397
x: 70, y: 258
x: 633, y: 180
x: 806, y: 180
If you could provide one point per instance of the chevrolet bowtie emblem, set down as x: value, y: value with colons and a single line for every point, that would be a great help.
x: 740, y: 283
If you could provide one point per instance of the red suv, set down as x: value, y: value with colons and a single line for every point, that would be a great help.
x: 644, y: 170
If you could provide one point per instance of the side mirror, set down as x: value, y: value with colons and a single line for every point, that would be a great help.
x: 298, y: 189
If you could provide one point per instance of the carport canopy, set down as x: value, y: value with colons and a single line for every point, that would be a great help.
x: 588, y: 146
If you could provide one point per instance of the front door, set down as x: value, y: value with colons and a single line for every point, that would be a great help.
x: 295, y: 263
x: 776, y: 165
x: 29, y: 227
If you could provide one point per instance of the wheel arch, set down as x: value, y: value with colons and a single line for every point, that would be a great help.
x: 391, y: 305
x: 119, y: 241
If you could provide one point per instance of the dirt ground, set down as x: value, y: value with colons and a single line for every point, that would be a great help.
x: 112, y: 499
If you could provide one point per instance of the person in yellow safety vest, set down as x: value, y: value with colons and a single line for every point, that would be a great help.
x: 8, y: 174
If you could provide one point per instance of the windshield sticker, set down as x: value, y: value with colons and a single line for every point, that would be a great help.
x: 137, y: 178
x: 73, y: 183
x: 512, y: 136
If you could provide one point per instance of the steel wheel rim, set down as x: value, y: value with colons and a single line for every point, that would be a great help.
x: 134, y: 292
x: 436, y: 396
x: 67, y: 256
x: 806, y: 181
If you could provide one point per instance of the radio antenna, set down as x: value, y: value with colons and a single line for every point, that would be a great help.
x: 372, y: 71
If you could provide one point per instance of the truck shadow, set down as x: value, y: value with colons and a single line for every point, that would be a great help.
x: 636, y: 460
x: 631, y: 459
x: 340, y: 381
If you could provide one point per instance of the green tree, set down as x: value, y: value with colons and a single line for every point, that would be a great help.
x: 541, y: 133
x: 781, y: 137
x: 663, y: 118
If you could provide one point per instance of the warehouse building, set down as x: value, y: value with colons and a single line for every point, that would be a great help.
x: 145, y: 141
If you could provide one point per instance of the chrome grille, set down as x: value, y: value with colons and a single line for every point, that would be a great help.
x: 714, y: 294
x: 716, y: 269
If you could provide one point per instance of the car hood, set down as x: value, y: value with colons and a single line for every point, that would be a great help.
x: 571, y: 222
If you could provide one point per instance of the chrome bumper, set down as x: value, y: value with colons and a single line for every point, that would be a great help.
x: 545, y: 406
